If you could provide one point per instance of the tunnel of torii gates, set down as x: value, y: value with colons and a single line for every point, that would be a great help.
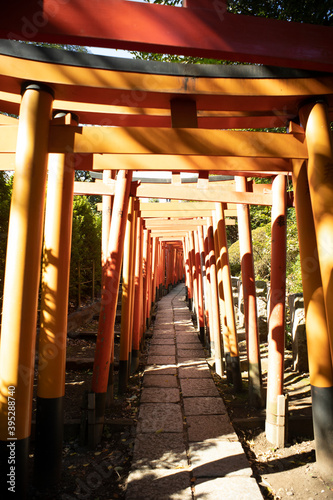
x: 115, y: 116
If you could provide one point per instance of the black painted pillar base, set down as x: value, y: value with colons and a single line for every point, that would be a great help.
x: 236, y: 373
x: 135, y: 360
x: 228, y: 367
x: 202, y: 334
x: 322, y: 414
x: 256, y: 396
x: 123, y: 376
x: 14, y: 476
x: 190, y: 304
x: 48, y: 441
x: 110, y: 389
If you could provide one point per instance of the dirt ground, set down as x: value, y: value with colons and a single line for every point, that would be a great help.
x: 101, y: 474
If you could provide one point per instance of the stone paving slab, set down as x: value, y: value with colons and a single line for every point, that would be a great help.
x: 165, y: 335
x: 189, y: 345
x: 159, y: 394
x: 161, y: 484
x: 216, y: 458
x: 161, y: 370
x: 204, y: 406
x: 198, y: 387
x: 160, y: 417
x: 190, y: 353
x: 186, y: 338
x: 194, y: 370
x: 162, y: 451
x: 152, y: 380
x: 204, y: 427
x: 161, y: 360
x: 227, y: 488
x: 162, y: 340
x: 162, y: 350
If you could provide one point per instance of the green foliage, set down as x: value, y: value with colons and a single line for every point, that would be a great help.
x: 308, y: 11
x: 6, y: 186
x: 86, y: 247
x: 261, y: 238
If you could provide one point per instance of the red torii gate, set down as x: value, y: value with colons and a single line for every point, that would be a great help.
x: 48, y: 22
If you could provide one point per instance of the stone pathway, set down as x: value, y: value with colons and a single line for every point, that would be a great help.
x: 185, y: 447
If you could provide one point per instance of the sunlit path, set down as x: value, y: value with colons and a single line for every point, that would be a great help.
x: 185, y: 446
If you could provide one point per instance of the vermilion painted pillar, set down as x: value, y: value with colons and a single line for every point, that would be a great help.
x: 53, y: 315
x: 194, y: 274
x: 209, y: 338
x: 204, y: 281
x: 232, y: 358
x: 149, y: 274
x: 126, y: 300
x: 144, y: 276
x: 188, y: 272
x: 137, y: 314
x: 215, y: 329
x: 109, y: 295
x: 201, y: 323
x: 22, y: 276
x: 319, y: 353
x: 314, y: 118
x: 250, y: 301
x: 106, y: 218
x: 276, y: 335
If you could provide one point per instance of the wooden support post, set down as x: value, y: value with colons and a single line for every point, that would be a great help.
x: 201, y: 323
x: 53, y: 316
x: 149, y: 271
x: 195, y: 308
x: 229, y: 329
x: 209, y: 338
x: 319, y: 353
x: 137, y: 313
x: 22, y: 275
x: 126, y: 302
x: 275, y: 429
x: 204, y: 282
x: 250, y: 301
x: 106, y: 218
x: 103, y: 362
x: 144, y: 277
x: 215, y: 330
x: 314, y: 118
x: 189, y: 272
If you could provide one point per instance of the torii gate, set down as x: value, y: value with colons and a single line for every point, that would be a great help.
x: 134, y: 134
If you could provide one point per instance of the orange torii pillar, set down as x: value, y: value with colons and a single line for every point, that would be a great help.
x: 149, y: 274
x: 195, y: 306
x: 205, y: 288
x: 106, y: 218
x: 250, y: 301
x: 53, y: 315
x: 314, y: 118
x: 201, y: 323
x: 319, y: 352
x: 19, y: 314
x: 276, y: 401
x: 229, y: 329
x: 126, y: 300
x: 104, y: 353
x: 188, y: 279
x: 209, y: 338
x: 144, y: 276
x: 214, y: 320
x: 138, y: 289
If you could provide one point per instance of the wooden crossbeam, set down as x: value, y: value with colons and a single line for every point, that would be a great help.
x: 186, y: 191
x: 160, y: 141
x: 167, y: 29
